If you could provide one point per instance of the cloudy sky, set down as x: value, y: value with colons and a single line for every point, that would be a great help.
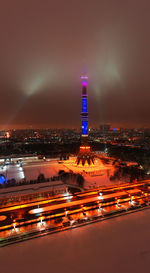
x: 46, y: 44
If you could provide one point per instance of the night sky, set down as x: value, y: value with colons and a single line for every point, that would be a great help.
x: 44, y: 47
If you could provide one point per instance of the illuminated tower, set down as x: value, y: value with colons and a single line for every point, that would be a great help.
x: 84, y: 113
x: 85, y: 155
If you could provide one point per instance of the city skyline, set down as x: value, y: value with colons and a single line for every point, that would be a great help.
x: 74, y: 136
x: 45, y: 48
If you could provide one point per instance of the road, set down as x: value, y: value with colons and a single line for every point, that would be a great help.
x: 45, y: 213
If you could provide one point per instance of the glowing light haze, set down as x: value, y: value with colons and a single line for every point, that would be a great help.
x: 46, y: 44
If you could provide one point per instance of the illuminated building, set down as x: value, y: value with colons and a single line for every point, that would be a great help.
x: 85, y: 155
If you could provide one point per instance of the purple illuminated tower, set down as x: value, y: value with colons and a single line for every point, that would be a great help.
x: 85, y: 155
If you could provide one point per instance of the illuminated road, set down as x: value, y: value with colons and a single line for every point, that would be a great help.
x: 29, y: 217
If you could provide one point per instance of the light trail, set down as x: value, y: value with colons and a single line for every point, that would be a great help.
x: 82, y: 202
x: 34, y: 204
x: 40, y: 203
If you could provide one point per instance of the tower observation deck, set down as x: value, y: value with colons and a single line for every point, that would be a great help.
x: 85, y: 155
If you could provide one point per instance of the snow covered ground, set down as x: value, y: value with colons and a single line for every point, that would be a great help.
x: 95, y: 176
x: 12, y: 171
x: 117, y: 245
x: 30, y: 170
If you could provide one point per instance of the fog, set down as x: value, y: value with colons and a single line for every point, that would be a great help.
x: 44, y: 48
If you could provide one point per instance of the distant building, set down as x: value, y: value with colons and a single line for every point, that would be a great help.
x: 2, y: 134
x: 104, y: 127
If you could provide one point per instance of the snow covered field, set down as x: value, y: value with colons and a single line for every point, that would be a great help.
x: 118, y: 245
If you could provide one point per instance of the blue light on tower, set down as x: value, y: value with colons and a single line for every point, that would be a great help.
x: 84, y: 127
x: 84, y: 105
